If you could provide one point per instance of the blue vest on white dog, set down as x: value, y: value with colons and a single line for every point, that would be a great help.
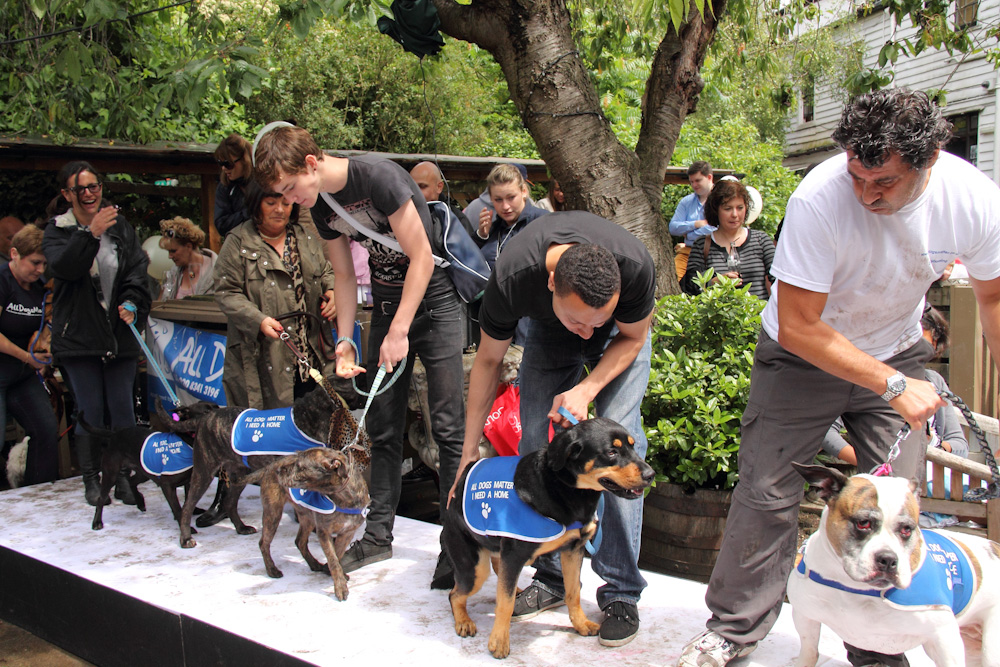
x: 492, y: 506
x: 944, y: 578
x: 269, y: 433
x: 165, y: 454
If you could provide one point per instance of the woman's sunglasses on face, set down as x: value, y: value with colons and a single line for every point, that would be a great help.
x: 78, y: 190
x: 226, y: 164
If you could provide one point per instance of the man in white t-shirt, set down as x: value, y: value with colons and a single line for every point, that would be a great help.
x: 865, y: 234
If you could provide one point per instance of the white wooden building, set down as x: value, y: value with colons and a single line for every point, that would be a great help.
x: 970, y: 82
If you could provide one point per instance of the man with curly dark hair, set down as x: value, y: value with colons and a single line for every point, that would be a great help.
x: 586, y: 287
x: 865, y: 235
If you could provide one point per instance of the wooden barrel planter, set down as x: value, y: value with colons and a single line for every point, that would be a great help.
x: 682, y: 531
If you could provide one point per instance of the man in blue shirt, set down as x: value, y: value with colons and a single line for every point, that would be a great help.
x: 689, y: 217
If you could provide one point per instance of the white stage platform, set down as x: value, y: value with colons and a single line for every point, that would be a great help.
x: 129, y: 595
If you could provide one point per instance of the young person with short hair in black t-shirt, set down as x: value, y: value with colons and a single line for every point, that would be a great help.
x: 587, y: 287
x: 416, y: 309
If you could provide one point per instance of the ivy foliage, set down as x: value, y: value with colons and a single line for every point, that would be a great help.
x: 699, y: 383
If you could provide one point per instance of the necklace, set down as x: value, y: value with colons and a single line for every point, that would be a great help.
x: 271, y: 238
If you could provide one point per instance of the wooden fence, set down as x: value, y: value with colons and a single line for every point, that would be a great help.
x: 967, y: 366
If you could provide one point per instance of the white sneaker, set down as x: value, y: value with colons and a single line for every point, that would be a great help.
x: 710, y: 649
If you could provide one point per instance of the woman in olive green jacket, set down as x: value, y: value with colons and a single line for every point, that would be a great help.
x: 268, y: 266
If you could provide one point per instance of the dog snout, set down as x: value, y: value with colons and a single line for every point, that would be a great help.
x: 648, y: 474
x: 886, y: 561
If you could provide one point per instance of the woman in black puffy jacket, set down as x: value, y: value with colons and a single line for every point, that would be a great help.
x: 100, y: 287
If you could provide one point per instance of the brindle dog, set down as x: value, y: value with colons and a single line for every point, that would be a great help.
x: 322, y: 415
x: 563, y: 482
x: 325, y: 471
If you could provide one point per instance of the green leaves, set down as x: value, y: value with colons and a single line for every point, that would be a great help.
x: 699, y: 383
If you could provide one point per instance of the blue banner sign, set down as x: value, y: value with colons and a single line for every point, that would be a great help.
x: 191, y: 359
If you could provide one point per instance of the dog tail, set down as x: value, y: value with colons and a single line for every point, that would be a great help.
x: 94, y: 430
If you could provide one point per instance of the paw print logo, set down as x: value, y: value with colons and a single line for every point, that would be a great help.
x: 165, y: 459
x: 257, y: 435
x: 486, y: 510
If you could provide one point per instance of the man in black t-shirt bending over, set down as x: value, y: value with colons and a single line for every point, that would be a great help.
x: 586, y: 286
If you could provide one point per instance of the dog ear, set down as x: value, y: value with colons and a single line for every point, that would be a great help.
x: 828, y: 480
x: 565, y: 446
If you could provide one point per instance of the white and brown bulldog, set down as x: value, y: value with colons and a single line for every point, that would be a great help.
x: 882, y: 584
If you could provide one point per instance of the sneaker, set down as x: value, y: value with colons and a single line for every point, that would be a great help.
x: 710, y: 649
x: 444, y: 575
x: 123, y: 490
x: 620, y: 625
x: 533, y: 600
x: 364, y: 553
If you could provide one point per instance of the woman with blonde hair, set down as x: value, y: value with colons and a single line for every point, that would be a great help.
x: 234, y: 155
x: 191, y: 274
x: 513, y: 211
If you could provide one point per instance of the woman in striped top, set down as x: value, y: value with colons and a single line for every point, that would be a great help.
x: 733, y: 250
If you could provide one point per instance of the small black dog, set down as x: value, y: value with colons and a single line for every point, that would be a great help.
x: 321, y: 415
x: 123, y: 452
x: 562, y: 482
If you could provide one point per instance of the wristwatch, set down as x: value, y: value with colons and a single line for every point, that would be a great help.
x: 895, y: 385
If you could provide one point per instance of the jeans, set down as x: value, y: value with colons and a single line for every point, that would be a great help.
x: 553, y: 362
x: 436, y: 335
x: 101, y: 389
x: 23, y: 396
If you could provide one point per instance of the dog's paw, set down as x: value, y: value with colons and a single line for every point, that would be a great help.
x: 486, y: 510
x: 274, y: 572
x: 340, y: 589
x: 500, y: 644
x: 466, y: 628
x: 320, y: 567
x: 97, y: 525
x: 587, y: 628
x: 246, y: 530
x: 188, y: 544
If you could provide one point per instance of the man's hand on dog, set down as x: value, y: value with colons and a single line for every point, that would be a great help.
x: 576, y: 401
x: 463, y: 463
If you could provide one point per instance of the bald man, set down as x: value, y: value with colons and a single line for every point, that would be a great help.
x: 428, y: 178
x: 9, y: 225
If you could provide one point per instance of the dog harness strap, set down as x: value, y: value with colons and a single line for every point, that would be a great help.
x: 945, y: 578
x: 165, y: 454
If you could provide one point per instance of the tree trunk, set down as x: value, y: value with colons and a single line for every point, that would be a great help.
x: 548, y: 82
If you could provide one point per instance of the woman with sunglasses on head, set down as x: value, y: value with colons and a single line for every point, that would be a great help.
x: 100, y: 288
x: 191, y: 274
x: 22, y: 393
x: 233, y: 155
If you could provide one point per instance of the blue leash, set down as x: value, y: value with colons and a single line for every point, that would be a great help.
x: 595, y: 544
x: 130, y: 307
x: 376, y: 384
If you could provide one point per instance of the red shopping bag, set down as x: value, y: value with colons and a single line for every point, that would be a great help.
x: 503, y: 425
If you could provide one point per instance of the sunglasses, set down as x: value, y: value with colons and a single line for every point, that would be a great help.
x: 226, y: 164
x: 78, y: 190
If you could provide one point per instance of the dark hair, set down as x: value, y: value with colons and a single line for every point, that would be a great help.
x: 590, y: 272
x: 70, y: 170
x: 722, y: 192
x: 934, y: 322
x: 699, y: 167
x: 898, y: 121
x: 556, y: 204
x: 236, y: 149
x: 256, y: 194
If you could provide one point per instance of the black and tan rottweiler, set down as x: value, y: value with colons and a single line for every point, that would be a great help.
x: 563, y: 484
x: 335, y: 516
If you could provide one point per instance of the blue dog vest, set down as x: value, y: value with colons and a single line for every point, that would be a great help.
x: 165, y: 454
x: 944, y: 578
x: 269, y: 432
x: 318, y: 502
x: 492, y: 506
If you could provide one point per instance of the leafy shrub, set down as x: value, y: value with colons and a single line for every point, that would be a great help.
x: 699, y: 383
